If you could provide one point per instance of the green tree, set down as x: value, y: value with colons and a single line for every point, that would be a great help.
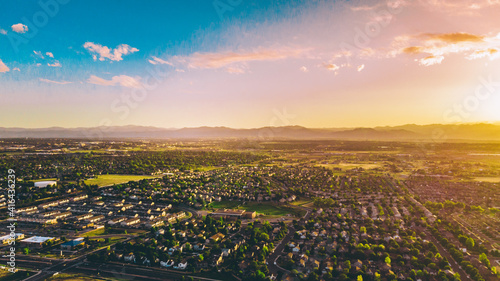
x: 484, y: 259
x: 470, y: 243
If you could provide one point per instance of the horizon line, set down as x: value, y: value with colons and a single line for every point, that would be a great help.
x: 253, y: 128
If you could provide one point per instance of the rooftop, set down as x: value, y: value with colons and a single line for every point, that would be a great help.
x: 73, y: 243
x: 37, y: 239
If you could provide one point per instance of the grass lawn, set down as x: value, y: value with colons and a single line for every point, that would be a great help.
x: 266, y: 208
x: 96, y: 232
x: 104, y: 180
x: 226, y: 204
x: 301, y: 202
x: 111, y: 240
x: 488, y: 179
x: 348, y: 166
x: 49, y: 179
x: 76, y: 277
x: 6, y: 275
x: 206, y: 168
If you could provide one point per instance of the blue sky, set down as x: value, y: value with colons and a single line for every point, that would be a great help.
x: 159, y: 27
x: 237, y: 63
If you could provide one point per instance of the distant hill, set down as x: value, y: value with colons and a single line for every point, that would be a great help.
x: 479, y: 131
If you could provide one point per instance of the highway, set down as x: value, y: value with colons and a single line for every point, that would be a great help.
x: 64, y: 264
x: 135, y: 272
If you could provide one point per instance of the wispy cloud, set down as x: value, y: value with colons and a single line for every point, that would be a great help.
x: 54, y: 82
x: 224, y: 59
x: 361, y: 67
x: 453, y: 38
x: 3, y: 31
x: 235, y: 70
x: 436, y: 47
x: 108, y: 53
x: 55, y: 64
x: 331, y: 67
x: 365, y: 7
x: 491, y: 53
x: 39, y: 54
x: 430, y: 60
x: 121, y: 80
x: 461, y: 7
x: 19, y: 28
x: 3, y: 67
x: 156, y: 60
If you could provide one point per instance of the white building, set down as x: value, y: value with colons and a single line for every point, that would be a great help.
x: 43, y: 184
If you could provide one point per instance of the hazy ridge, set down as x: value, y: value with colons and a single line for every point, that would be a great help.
x: 480, y: 131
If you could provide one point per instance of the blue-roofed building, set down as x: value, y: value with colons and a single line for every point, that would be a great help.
x: 70, y: 245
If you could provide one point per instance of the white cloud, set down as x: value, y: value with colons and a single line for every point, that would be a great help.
x: 3, y: 31
x: 55, y: 64
x: 332, y: 67
x: 54, y: 82
x: 304, y: 69
x: 39, y: 54
x: 430, y: 60
x: 156, y: 60
x: 108, y: 53
x: 342, y: 54
x: 3, y: 67
x: 16, y: 69
x: 436, y: 47
x: 361, y: 67
x: 491, y: 53
x: 121, y: 80
x: 19, y: 28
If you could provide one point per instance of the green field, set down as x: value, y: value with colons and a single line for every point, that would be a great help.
x: 266, y: 209
x: 301, y: 202
x: 205, y: 168
x: 77, y: 276
x: 6, y: 275
x: 104, y: 180
x: 348, y: 166
x: 96, y: 232
x: 225, y: 204
x: 488, y: 179
x: 48, y: 179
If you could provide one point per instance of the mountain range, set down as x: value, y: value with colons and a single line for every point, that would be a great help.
x: 476, y: 131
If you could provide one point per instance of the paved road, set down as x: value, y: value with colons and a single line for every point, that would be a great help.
x: 489, y: 243
x: 278, y: 250
x: 454, y: 265
x: 136, y: 272
x: 63, y: 265
x: 27, y: 262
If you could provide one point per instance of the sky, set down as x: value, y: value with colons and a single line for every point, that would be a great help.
x: 247, y: 64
